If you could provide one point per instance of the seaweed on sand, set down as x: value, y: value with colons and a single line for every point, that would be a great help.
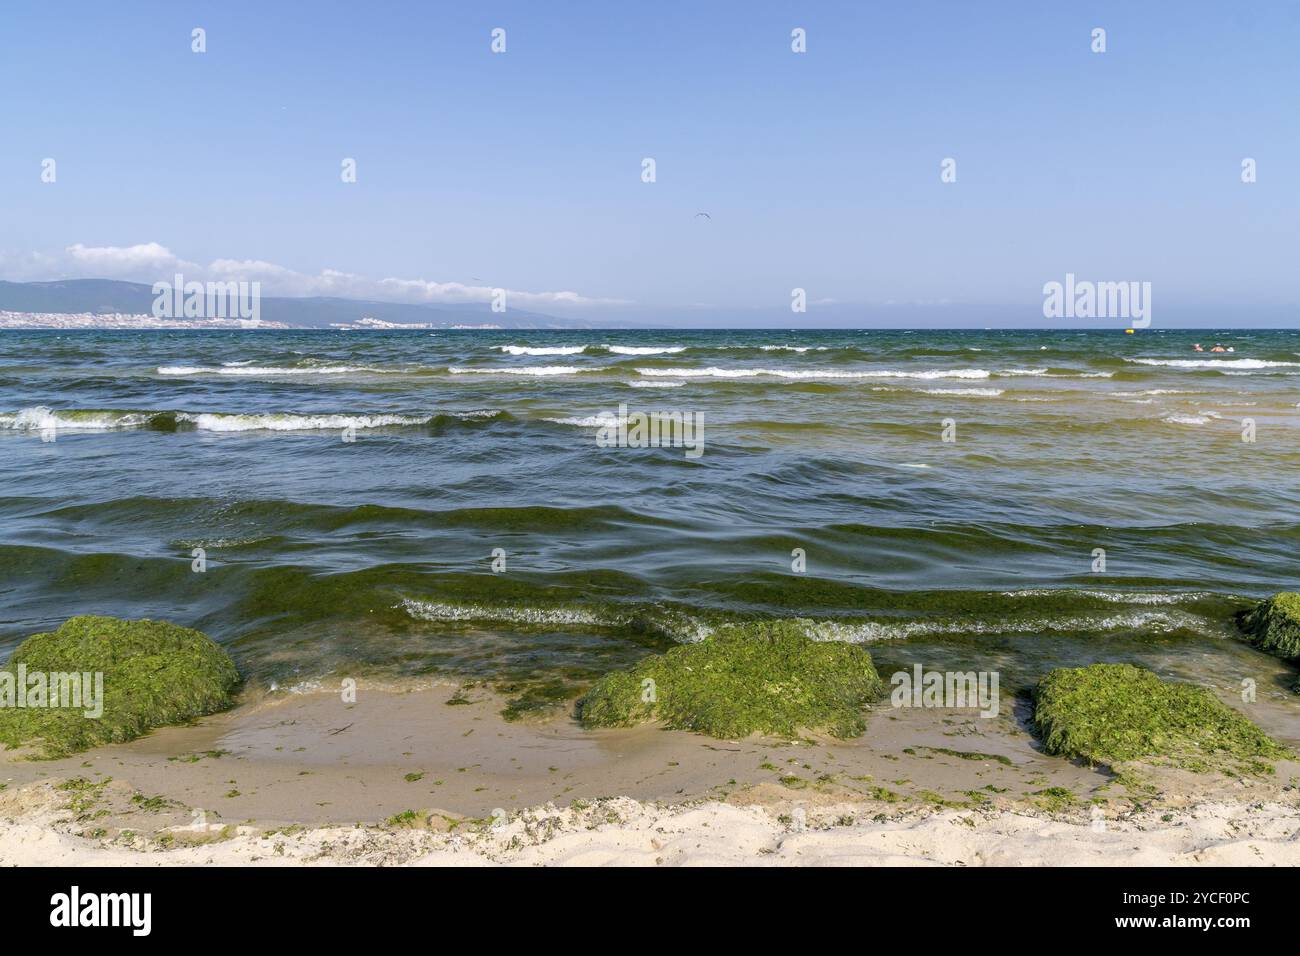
x: 154, y: 673
x: 766, y: 678
x: 1112, y: 714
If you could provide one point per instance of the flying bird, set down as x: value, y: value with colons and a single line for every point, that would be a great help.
x: 705, y: 215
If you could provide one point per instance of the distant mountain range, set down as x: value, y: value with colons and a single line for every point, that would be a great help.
x: 108, y: 296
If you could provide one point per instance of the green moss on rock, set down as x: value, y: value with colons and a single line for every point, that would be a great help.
x: 1115, y: 713
x: 154, y: 674
x: 755, y: 678
x: 1274, y: 625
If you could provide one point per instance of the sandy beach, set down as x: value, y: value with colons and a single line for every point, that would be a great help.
x: 407, y: 778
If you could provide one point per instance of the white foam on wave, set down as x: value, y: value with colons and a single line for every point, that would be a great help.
x: 1148, y: 621
x: 1117, y: 597
x: 439, y: 611
x: 645, y: 349
x: 966, y: 392
x: 279, y: 422
x: 539, y: 370
x: 678, y: 626
x: 715, y: 372
x: 686, y: 628
x: 969, y: 373
x: 601, y: 420
x: 1187, y: 419
x: 543, y: 349
x: 264, y: 370
x: 44, y: 418
x: 1240, y: 363
x: 40, y: 418
x: 654, y: 384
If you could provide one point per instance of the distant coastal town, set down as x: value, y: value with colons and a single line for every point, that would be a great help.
x: 118, y: 320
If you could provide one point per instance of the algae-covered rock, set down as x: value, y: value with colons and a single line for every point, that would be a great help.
x: 755, y: 678
x: 1115, y: 713
x: 1274, y: 625
x: 153, y: 674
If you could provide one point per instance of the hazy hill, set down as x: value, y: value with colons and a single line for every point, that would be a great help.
x: 71, y: 296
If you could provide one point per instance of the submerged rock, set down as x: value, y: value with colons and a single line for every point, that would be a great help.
x: 753, y: 678
x: 1117, y: 713
x: 100, y: 680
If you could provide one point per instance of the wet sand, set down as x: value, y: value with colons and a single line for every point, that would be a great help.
x: 401, y: 769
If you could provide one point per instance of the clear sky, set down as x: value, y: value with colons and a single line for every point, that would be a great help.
x: 522, y: 170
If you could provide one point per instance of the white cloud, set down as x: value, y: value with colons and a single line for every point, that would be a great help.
x: 27, y: 267
x: 108, y: 261
x: 150, y: 262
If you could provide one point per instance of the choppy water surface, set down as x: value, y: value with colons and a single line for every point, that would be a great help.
x: 374, y: 555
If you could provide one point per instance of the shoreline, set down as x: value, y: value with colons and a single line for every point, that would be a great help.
x: 625, y: 832
x: 406, y: 777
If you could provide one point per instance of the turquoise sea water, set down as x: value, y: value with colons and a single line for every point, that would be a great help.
x: 349, y: 489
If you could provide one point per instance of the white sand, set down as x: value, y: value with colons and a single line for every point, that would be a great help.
x: 625, y: 832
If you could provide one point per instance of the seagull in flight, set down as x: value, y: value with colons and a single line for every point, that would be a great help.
x: 705, y: 215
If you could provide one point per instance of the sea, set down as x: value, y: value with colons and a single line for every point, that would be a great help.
x: 463, y: 505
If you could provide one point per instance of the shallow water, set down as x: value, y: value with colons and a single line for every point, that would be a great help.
x: 122, y: 452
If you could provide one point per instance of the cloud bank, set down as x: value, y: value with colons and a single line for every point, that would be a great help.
x: 150, y: 262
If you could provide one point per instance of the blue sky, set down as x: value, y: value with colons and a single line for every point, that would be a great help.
x: 522, y: 170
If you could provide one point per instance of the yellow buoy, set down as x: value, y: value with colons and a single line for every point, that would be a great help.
x: 1128, y: 331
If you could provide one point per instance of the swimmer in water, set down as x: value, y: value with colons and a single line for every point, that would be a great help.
x: 1218, y: 347
x: 1197, y: 347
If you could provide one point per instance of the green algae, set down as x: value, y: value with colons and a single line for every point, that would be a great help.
x: 971, y: 755
x: 84, y: 794
x: 1112, y: 714
x: 536, y: 698
x: 766, y: 678
x: 939, y: 800
x: 1055, y: 799
x: 152, y: 804
x: 154, y: 674
x: 196, y: 757
x: 406, y: 820
x: 1274, y: 626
